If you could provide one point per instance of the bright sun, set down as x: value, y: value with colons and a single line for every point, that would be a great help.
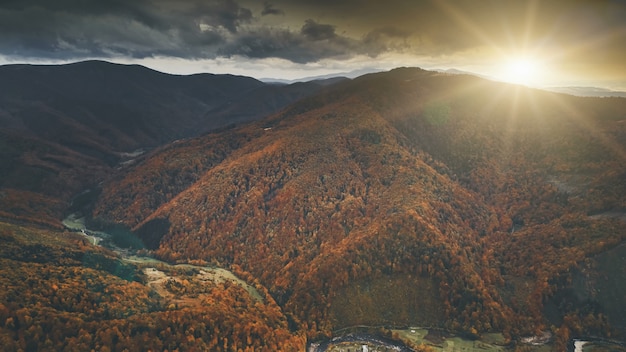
x: 521, y: 71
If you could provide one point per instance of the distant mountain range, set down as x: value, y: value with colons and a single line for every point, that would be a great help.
x: 329, y: 78
x: 587, y: 91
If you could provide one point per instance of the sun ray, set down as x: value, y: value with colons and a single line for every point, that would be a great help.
x: 467, y: 23
x: 529, y: 25
x: 557, y: 55
x: 588, y: 125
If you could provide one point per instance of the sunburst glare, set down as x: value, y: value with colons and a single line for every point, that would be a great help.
x: 521, y: 70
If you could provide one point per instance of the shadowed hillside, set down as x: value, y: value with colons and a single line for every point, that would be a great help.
x: 401, y: 198
x: 99, y: 106
x: 64, y: 127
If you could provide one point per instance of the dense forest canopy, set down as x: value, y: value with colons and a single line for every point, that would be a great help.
x: 401, y: 198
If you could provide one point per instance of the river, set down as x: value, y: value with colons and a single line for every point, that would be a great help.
x: 76, y: 223
x: 597, y: 345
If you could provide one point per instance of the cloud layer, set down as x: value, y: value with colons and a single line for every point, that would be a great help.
x: 588, y: 35
x: 189, y: 29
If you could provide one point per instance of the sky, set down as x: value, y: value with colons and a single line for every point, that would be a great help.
x: 533, y: 42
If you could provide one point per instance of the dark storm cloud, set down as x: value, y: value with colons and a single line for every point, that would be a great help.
x: 316, y: 31
x: 225, y: 13
x: 269, y: 9
x: 265, y: 42
x: 73, y: 28
x: 189, y: 29
x: 313, y: 42
x: 299, y: 47
x: 386, y: 39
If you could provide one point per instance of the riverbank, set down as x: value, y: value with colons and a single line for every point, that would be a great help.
x: 157, y: 273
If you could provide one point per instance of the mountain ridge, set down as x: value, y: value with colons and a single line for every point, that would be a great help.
x: 99, y: 112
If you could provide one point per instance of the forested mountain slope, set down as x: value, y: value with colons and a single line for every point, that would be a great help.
x: 399, y: 198
x: 61, y: 294
x: 63, y: 128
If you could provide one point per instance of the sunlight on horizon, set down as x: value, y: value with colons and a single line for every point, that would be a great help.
x: 521, y: 70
